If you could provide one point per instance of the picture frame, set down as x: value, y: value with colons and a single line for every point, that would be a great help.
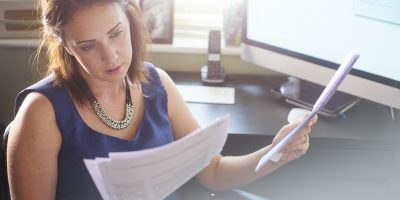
x: 159, y: 17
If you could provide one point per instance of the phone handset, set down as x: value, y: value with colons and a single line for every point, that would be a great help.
x: 213, y: 72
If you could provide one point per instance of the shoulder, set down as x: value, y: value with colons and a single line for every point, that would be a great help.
x: 180, y: 116
x: 33, y: 100
x: 164, y: 77
x: 159, y: 76
x: 35, y: 108
x: 155, y: 72
x: 168, y: 84
x: 35, y: 120
x: 44, y: 87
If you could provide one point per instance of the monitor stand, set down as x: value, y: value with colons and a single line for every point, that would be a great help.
x: 304, y: 94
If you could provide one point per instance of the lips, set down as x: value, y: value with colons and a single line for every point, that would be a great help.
x: 114, y: 70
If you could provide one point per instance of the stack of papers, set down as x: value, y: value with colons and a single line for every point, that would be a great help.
x: 156, y: 173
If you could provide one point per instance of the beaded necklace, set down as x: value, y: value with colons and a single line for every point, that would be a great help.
x: 110, y: 122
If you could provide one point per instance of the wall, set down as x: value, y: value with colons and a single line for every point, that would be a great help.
x: 15, y: 74
x: 193, y: 62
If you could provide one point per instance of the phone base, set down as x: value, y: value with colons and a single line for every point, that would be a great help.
x: 212, y: 78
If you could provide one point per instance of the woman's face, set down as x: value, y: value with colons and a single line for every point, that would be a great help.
x: 98, y: 36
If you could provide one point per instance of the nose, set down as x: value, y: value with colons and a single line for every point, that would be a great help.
x: 109, y: 53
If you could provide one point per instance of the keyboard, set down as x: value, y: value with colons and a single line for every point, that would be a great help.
x: 207, y: 94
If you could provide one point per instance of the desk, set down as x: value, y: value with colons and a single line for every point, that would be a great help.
x: 353, y: 158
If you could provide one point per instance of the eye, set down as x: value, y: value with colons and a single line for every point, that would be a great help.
x: 115, y: 34
x: 87, y: 47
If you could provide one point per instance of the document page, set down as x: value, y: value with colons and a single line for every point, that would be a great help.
x: 326, y: 95
x: 155, y: 173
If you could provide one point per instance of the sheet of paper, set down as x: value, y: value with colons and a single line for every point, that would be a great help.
x: 323, y: 99
x: 207, y: 94
x: 94, y: 172
x: 155, y: 173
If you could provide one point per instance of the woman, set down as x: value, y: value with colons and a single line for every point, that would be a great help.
x: 101, y: 97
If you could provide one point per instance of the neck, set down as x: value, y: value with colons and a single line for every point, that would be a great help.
x: 101, y: 89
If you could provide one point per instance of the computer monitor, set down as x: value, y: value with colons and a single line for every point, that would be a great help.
x: 309, y: 39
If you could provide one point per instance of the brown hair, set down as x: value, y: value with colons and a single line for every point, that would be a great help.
x: 57, y: 13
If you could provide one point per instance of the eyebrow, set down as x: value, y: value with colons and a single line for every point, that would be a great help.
x: 114, y: 27
x: 108, y: 32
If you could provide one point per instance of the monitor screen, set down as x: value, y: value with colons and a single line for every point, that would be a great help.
x: 309, y: 39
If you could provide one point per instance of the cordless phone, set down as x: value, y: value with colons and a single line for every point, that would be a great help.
x: 213, y: 72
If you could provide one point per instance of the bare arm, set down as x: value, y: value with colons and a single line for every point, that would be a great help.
x: 32, y: 150
x: 229, y: 171
x: 235, y: 171
x: 181, y: 118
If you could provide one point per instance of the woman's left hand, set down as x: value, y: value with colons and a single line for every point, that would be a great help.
x: 299, y: 145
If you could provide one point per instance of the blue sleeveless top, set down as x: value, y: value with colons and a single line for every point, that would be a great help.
x: 79, y: 141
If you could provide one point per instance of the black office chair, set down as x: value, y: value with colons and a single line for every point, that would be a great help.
x: 4, y: 188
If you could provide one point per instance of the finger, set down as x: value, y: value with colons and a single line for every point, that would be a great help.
x: 301, y: 135
x: 283, y: 132
x: 300, y: 148
x: 296, y: 149
x: 299, y: 139
x: 287, y: 129
x: 313, y: 121
x: 310, y: 123
x: 297, y: 144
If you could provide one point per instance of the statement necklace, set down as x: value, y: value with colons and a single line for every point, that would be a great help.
x: 110, y: 122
